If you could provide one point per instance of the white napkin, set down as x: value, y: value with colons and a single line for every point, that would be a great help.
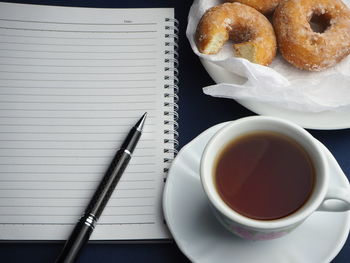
x: 280, y: 84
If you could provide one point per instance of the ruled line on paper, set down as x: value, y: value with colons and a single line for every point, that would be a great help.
x: 66, y: 148
x: 67, y: 125
x: 62, y: 148
x: 74, y: 173
x: 128, y: 221
x: 130, y: 179
x: 78, y: 73
x: 66, y: 118
x: 78, y: 80
x: 75, y: 102
x: 78, y: 45
x: 53, y: 112
x: 70, y: 165
x: 72, y: 189
x: 57, y: 201
x: 72, y: 197
x: 83, y: 59
x: 79, y: 206
x: 77, y: 176
x: 60, y: 140
x: 125, y: 110
x: 64, y: 126
x: 136, y: 214
x: 94, y: 119
x: 70, y: 224
x: 78, y: 156
x: 75, y: 181
x: 133, y: 209
x: 78, y: 133
x: 122, y: 187
x: 80, y: 95
x: 81, y: 38
x: 83, y: 110
x: 81, y: 194
x: 80, y: 52
x: 75, y: 202
x: 70, y: 156
x: 79, y: 66
x: 78, y: 31
x: 75, y: 87
x: 74, y: 23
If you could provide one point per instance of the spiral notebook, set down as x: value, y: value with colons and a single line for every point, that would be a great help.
x: 73, y: 81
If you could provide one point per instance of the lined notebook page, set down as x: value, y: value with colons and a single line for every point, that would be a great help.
x: 73, y: 81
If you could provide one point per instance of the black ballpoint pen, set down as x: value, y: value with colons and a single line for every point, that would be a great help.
x: 83, y: 229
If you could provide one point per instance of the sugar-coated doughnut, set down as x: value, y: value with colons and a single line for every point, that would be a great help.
x: 251, y: 32
x: 263, y: 6
x: 300, y: 45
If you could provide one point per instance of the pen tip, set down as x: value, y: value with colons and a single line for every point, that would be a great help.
x: 139, y: 125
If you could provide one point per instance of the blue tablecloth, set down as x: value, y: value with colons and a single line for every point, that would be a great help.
x: 197, y: 113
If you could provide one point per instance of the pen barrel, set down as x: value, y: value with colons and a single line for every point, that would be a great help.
x: 108, y: 183
x: 79, y: 236
x: 86, y: 224
x: 131, y: 140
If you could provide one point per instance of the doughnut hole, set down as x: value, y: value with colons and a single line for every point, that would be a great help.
x: 241, y: 34
x: 320, y: 22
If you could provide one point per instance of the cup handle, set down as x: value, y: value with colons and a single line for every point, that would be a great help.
x: 336, y: 200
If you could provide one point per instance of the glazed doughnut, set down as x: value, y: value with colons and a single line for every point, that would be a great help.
x: 251, y: 32
x: 300, y: 45
x: 263, y: 6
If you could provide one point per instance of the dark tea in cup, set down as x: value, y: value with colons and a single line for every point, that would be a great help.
x: 264, y: 175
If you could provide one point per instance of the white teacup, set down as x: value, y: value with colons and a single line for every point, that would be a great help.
x: 254, y: 229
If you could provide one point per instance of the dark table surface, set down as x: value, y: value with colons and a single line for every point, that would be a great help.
x: 197, y: 113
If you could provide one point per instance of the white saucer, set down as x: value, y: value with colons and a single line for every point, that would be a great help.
x: 202, y: 239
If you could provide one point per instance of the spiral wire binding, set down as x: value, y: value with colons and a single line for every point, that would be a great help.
x: 171, y: 89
